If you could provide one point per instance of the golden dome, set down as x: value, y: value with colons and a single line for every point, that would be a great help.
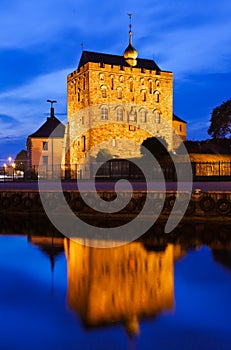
x: 130, y: 54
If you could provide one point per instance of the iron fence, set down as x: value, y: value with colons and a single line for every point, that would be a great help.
x: 119, y: 168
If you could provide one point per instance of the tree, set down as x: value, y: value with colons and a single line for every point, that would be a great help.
x: 155, y: 145
x: 220, y: 120
x: 21, y: 161
x: 103, y: 155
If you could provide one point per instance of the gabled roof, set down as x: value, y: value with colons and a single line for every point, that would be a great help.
x: 175, y: 117
x: 51, y: 124
x: 96, y: 57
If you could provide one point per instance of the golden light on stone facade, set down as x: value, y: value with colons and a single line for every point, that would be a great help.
x: 131, y: 93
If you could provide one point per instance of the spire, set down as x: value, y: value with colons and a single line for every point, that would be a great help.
x: 130, y: 54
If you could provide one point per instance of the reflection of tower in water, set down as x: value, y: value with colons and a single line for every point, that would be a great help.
x: 122, y: 284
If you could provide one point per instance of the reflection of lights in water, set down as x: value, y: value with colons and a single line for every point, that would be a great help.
x: 121, y: 284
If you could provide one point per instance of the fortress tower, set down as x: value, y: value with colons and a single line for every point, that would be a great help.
x: 116, y: 102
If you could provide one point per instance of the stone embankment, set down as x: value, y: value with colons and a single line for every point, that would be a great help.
x: 210, y: 204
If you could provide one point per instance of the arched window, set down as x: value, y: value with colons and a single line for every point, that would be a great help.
x: 101, y: 76
x: 104, y: 91
x: 157, y: 117
x: 143, y: 116
x: 119, y: 114
x: 143, y: 94
x: 121, y: 79
x: 150, y: 86
x: 157, y: 83
x: 112, y: 82
x: 131, y: 85
x: 157, y: 96
x: 119, y: 91
x: 78, y: 95
x: 104, y: 113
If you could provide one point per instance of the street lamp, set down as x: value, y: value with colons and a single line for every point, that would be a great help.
x: 13, y: 167
x: 52, y: 115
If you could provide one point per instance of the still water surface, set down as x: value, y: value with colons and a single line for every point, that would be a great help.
x: 57, y: 294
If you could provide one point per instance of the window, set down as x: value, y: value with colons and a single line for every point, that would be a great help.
x: 45, y: 160
x: 180, y: 127
x: 119, y: 90
x: 104, y: 113
x: 150, y: 87
x: 121, y: 79
x: 45, y: 146
x: 104, y: 92
x: 78, y: 95
x: 132, y: 128
x: 143, y: 116
x: 157, y: 96
x: 132, y: 115
x: 83, y: 143
x: 119, y: 114
x: 113, y: 142
x: 84, y: 83
x: 143, y: 93
x: 83, y: 120
x: 131, y: 85
x: 157, y: 117
x: 112, y: 82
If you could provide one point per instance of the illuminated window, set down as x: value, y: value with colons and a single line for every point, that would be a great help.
x: 104, y: 113
x: 78, y: 95
x: 157, y: 117
x: 119, y: 114
x: 143, y: 116
x: 101, y: 76
x: 119, y: 90
x: 143, y: 93
x: 131, y: 85
x: 45, y: 146
x: 104, y: 92
x: 113, y: 142
x: 112, y: 82
x: 157, y: 96
x: 132, y: 115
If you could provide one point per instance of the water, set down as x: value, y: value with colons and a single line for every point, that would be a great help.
x: 156, y: 293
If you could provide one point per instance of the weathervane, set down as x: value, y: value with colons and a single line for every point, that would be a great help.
x: 130, y: 24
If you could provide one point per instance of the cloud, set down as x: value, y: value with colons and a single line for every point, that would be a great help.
x: 23, y: 109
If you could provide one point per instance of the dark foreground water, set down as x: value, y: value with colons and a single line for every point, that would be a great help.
x: 156, y: 293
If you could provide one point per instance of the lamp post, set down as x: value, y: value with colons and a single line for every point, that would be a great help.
x: 13, y: 167
x: 52, y: 115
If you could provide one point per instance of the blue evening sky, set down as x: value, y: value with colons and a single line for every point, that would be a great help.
x: 41, y: 43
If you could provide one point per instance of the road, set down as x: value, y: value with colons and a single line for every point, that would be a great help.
x: 105, y: 186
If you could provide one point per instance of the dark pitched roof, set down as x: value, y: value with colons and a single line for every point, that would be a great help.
x: 48, y: 127
x: 175, y: 117
x: 96, y: 57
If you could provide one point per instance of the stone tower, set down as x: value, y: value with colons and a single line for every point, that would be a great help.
x: 115, y: 103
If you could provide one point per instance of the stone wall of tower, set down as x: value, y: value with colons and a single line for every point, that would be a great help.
x: 97, y: 91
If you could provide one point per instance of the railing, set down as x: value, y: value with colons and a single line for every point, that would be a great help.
x: 118, y: 168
